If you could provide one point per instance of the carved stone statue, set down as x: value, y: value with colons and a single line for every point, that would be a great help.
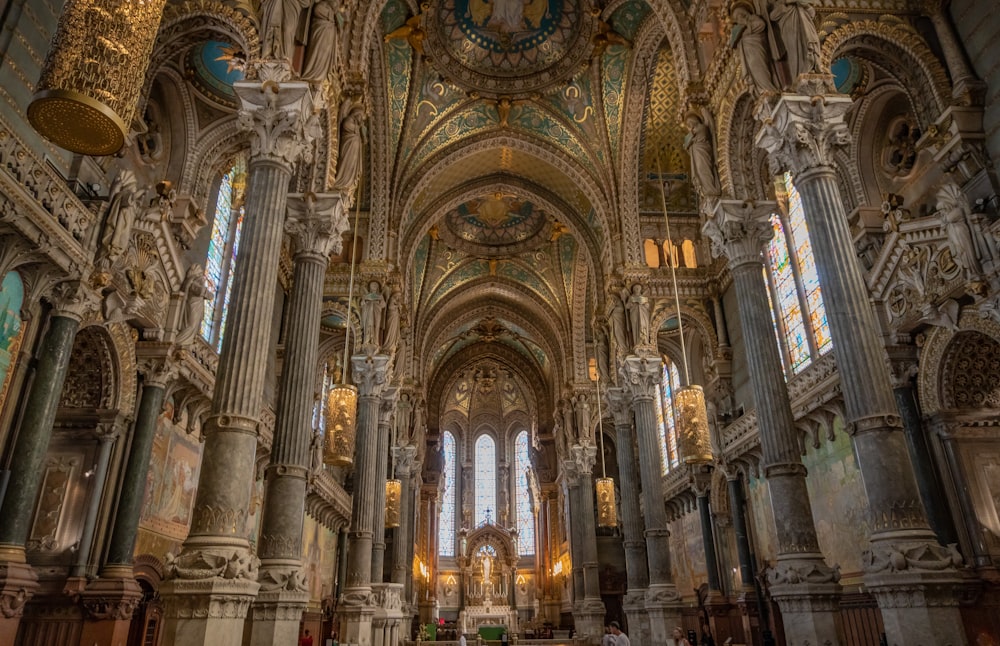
x: 316, y: 450
x: 698, y: 143
x: 195, y: 293
x: 954, y: 212
x: 749, y: 37
x: 797, y: 27
x: 603, y: 354
x: 372, y: 307
x: 616, y: 319
x: 279, y: 20
x: 639, y: 315
x: 321, y: 49
x: 392, y: 321
x: 122, y: 209
x: 352, y: 138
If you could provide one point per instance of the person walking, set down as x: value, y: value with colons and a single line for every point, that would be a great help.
x: 621, y: 639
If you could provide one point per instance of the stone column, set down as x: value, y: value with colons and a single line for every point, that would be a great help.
x: 572, y: 493
x: 641, y: 374
x: 357, y: 604
x: 315, y: 224
x: 966, y: 88
x: 702, y: 486
x: 588, y: 614
x: 805, y: 588
x: 749, y: 597
x: 214, y: 579
x: 636, y: 570
x: 111, y: 598
x: 402, y: 559
x: 963, y: 492
x: 910, y: 574
x: 107, y: 434
x: 18, y: 581
x: 387, y: 406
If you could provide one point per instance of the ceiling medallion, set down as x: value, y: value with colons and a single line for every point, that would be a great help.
x: 494, y: 223
x: 510, y: 47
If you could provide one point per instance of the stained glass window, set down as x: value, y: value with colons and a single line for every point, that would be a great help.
x: 220, y: 264
x: 665, y: 417
x: 807, y: 267
x: 446, y: 520
x: 786, y: 292
x: 486, y: 479
x: 522, y: 497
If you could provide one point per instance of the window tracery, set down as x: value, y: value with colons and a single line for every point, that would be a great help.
x: 446, y: 520
x: 525, y: 520
x: 665, y: 421
x: 486, y: 479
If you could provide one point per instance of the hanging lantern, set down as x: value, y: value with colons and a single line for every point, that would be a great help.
x: 393, y: 496
x: 607, y: 513
x: 94, y: 73
x: 692, y: 425
x: 341, y: 417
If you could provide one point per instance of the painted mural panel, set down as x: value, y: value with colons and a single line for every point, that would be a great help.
x: 762, y: 520
x: 319, y: 558
x: 839, y: 505
x: 688, y: 550
x: 11, y: 330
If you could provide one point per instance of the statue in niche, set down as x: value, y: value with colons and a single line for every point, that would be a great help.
x: 321, y: 51
x: 404, y: 415
x: 279, y: 21
x: 797, y: 27
x: 352, y: 139
x: 639, y: 315
x: 372, y: 307
x: 749, y: 38
x: 392, y: 321
x: 122, y: 209
x: 195, y: 293
x: 616, y: 319
x: 965, y: 239
x: 699, y: 144
x: 601, y: 350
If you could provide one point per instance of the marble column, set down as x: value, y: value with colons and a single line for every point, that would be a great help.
x: 18, y: 581
x: 387, y: 406
x: 107, y: 433
x: 315, y: 224
x: 402, y: 559
x: 636, y: 570
x: 111, y: 598
x: 973, y: 526
x: 748, y: 596
x: 588, y: 614
x: 641, y: 374
x: 804, y: 586
x: 907, y: 571
x: 357, y: 605
x: 213, y: 581
x: 967, y: 89
x: 702, y: 486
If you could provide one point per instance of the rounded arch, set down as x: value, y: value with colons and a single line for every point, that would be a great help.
x: 965, y: 358
x: 743, y: 166
x: 94, y: 373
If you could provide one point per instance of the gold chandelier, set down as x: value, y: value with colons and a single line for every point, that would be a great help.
x: 393, y: 496
x: 607, y: 511
x: 93, y: 74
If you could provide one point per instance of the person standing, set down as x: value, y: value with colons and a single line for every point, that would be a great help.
x: 608, y: 639
x: 621, y: 639
x: 306, y: 639
x: 679, y: 638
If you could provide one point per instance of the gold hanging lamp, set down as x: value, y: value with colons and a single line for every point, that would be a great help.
x: 693, y: 436
x: 93, y: 74
x: 607, y: 510
x: 393, y: 500
x: 342, y: 400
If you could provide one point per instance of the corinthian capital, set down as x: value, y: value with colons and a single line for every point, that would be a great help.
x: 739, y: 230
x: 315, y: 223
x: 619, y: 405
x: 584, y: 456
x: 369, y: 371
x: 73, y: 299
x: 802, y: 131
x: 280, y: 118
x: 641, y: 375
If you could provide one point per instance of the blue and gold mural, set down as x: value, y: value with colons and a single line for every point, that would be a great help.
x: 11, y: 329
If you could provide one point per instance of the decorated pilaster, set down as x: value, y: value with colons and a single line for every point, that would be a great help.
x: 636, y: 570
x: 588, y: 613
x: 387, y: 407
x: 315, y: 224
x: 641, y: 374
x: 911, y: 575
x: 804, y: 586
x: 357, y: 606
x: 214, y: 579
x: 571, y: 491
x: 18, y: 582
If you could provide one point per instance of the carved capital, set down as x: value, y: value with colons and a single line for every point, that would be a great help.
x: 406, y: 460
x: 387, y: 405
x: 641, y: 375
x: 619, y: 403
x: 802, y: 570
x: 158, y: 372
x: 280, y: 118
x: 584, y: 457
x: 212, y: 563
x: 739, y: 230
x: 73, y: 299
x: 917, y: 556
x: 316, y: 222
x: 369, y: 372
x: 802, y: 131
x: 18, y: 583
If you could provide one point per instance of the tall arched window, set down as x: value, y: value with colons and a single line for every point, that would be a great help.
x: 665, y: 416
x: 486, y: 478
x: 446, y: 520
x: 220, y: 264
x: 793, y: 285
x: 522, y: 497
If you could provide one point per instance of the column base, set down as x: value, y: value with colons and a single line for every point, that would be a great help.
x: 18, y: 584
x: 206, y: 612
x: 357, y: 609
x: 808, y: 593
x: 387, y: 621
x: 428, y: 611
x: 634, y: 605
x: 275, y: 617
x: 109, y: 602
x: 663, y: 607
x: 588, y: 618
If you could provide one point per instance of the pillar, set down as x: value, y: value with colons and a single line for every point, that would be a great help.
x: 907, y: 571
x: 975, y: 536
x: 803, y: 585
x: 107, y: 434
x: 18, y: 581
x: 966, y: 88
x: 588, y: 614
x: 572, y: 493
x: 636, y: 570
x: 749, y: 597
x: 387, y: 406
x: 357, y: 605
x: 211, y: 584
x: 402, y: 559
x: 641, y: 374
x: 315, y: 224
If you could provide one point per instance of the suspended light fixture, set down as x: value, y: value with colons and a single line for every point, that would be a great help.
x: 693, y: 439
x: 607, y: 511
x: 342, y: 401
x: 393, y: 499
x: 93, y: 73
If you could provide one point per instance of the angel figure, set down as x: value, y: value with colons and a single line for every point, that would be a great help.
x: 352, y: 141
x: 122, y: 209
x: 698, y: 143
x: 412, y: 31
x: 279, y: 21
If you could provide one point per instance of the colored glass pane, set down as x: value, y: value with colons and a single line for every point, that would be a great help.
x: 522, y: 496
x: 486, y: 479
x: 786, y: 291
x: 665, y: 417
x: 223, y: 245
x: 807, y: 267
x: 446, y: 520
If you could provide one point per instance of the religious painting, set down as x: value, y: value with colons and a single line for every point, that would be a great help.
x: 688, y: 565
x: 319, y: 558
x: 11, y: 329
x: 762, y: 520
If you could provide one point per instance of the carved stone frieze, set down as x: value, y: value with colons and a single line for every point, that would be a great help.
x: 196, y: 564
x: 288, y: 578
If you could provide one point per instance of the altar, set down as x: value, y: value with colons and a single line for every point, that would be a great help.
x: 489, y: 571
